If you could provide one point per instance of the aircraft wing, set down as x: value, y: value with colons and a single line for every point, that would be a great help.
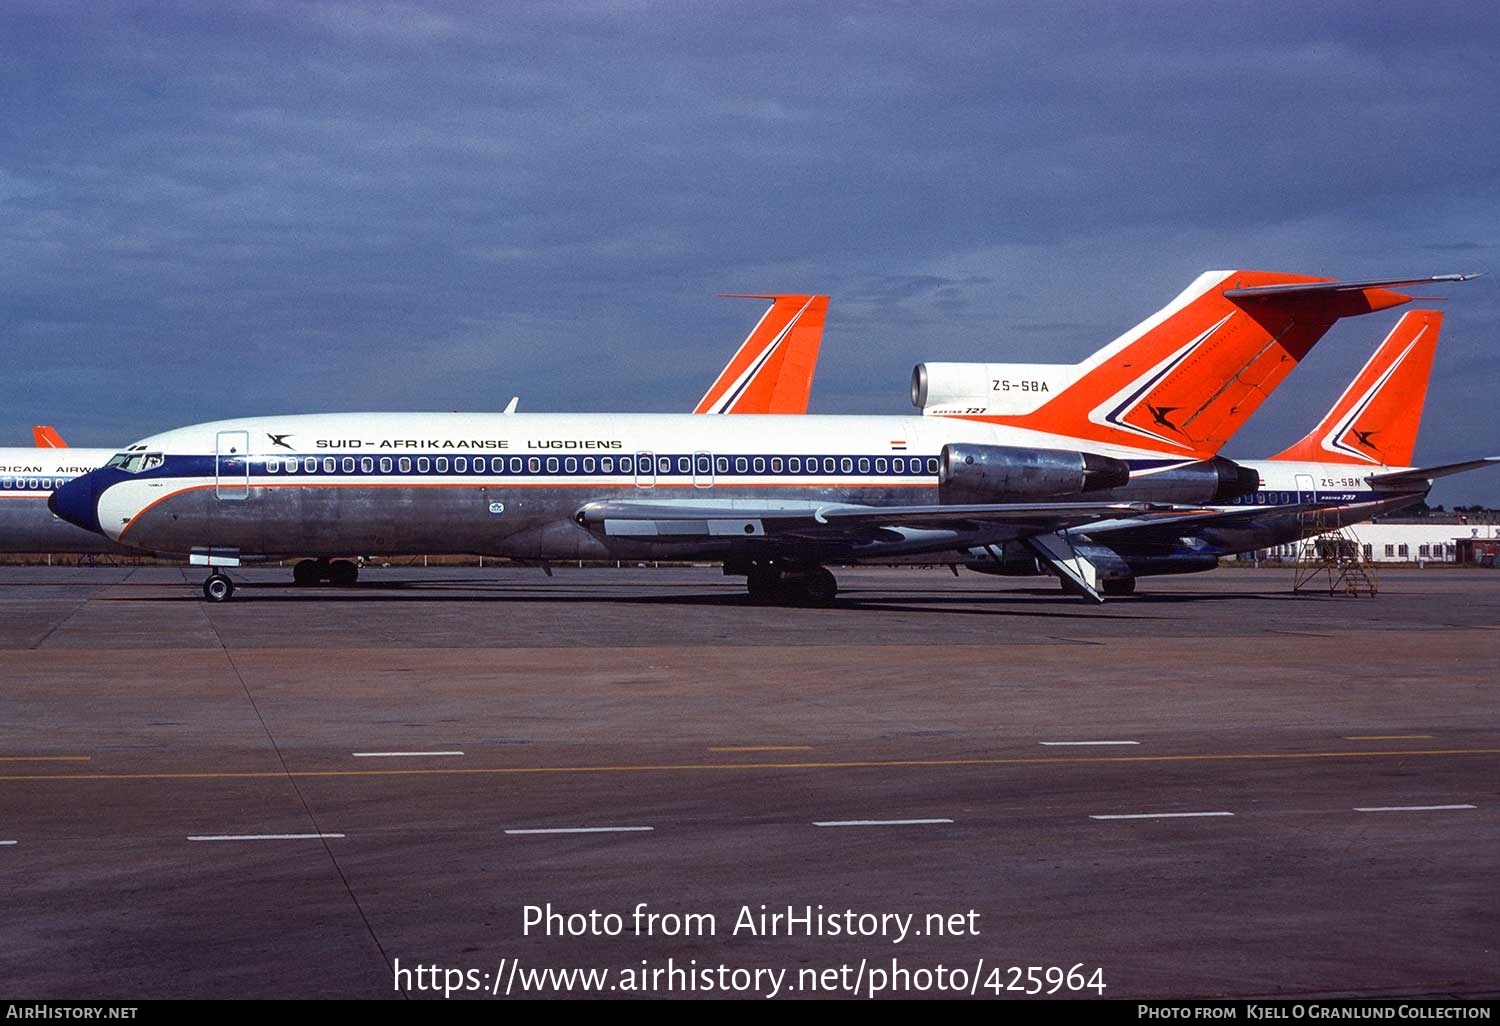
x: 1168, y: 525
x: 1418, y: 479
x: 838, y: 522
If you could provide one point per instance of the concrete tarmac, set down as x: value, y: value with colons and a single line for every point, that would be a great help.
x: 1215, y: 788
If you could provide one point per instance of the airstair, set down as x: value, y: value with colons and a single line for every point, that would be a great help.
x: 1330, y: 552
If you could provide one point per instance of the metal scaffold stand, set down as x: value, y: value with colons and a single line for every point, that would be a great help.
x: 1331, y: 550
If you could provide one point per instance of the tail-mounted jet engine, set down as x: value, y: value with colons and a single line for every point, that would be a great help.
x: 1202, y: 482
x: 1007, y: 473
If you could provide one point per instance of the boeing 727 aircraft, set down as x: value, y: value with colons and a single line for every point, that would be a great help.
x: 773, y: 498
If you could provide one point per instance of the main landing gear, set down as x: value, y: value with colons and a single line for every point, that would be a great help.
x: 1115, y: 586
x: 341, y: 573
x: 770, y: 585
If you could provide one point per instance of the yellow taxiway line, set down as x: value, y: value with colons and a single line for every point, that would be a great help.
x: 710, y: 767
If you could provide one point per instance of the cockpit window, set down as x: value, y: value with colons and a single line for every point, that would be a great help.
x: 135, y: 462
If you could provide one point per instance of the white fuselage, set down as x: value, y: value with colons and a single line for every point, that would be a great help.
x: 509, y: 484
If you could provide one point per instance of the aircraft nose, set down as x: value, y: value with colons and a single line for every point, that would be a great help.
x: 77, y: 502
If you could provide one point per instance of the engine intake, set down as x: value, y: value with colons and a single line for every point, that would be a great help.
x: 1006, y: 473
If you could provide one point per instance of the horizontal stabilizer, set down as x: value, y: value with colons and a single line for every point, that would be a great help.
x: 1417, y: 479
x: 1326, y: 287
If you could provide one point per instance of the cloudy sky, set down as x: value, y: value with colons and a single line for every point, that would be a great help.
x: 209, y: 210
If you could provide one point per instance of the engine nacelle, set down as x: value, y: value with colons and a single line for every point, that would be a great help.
x: 1204, y: 482
x: 1117, y: 563
x: 1007, y: 473
x: 1125, y: 561
x: 987, y: 388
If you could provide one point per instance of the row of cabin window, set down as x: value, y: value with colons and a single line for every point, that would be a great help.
x: 701, y: 464
x: 43, y: 484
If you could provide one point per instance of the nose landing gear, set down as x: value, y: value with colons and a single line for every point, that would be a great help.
x: 218, y: 588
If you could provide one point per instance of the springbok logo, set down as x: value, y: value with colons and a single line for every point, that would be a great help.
x: 1344, y: 432
x: 1114, y: 411
x: 1159, y: 414
x: 279, y: 439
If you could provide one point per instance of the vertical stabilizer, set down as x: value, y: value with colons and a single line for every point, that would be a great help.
x: 46, y: 437
x: 1376, y: 420
x: 772, y: 372
x: 1188, y: 377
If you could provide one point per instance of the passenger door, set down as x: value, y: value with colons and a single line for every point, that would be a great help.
x: 232, y: 464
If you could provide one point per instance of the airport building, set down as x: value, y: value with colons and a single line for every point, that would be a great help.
x: 1472, y: 540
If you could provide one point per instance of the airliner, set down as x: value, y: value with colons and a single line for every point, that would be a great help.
x: 27, y: 478
x: 1355, y: 464
x: 773, y: 498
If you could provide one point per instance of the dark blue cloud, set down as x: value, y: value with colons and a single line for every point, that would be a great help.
x: 209, y: 210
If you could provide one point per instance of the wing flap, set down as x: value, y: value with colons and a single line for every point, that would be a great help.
x: 738, y: 519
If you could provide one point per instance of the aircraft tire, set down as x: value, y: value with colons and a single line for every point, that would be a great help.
x: 820, y: 587
x: 306, y: 572
x: 1119, y: 586
x: 343, y: 573
x: 218, y: 588
x: 764, y: 585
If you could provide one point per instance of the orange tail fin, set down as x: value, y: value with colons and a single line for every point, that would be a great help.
x: 47, y: 437
x: 1188, y: 377
x: 772, y: 372
x: 1375, y: 421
